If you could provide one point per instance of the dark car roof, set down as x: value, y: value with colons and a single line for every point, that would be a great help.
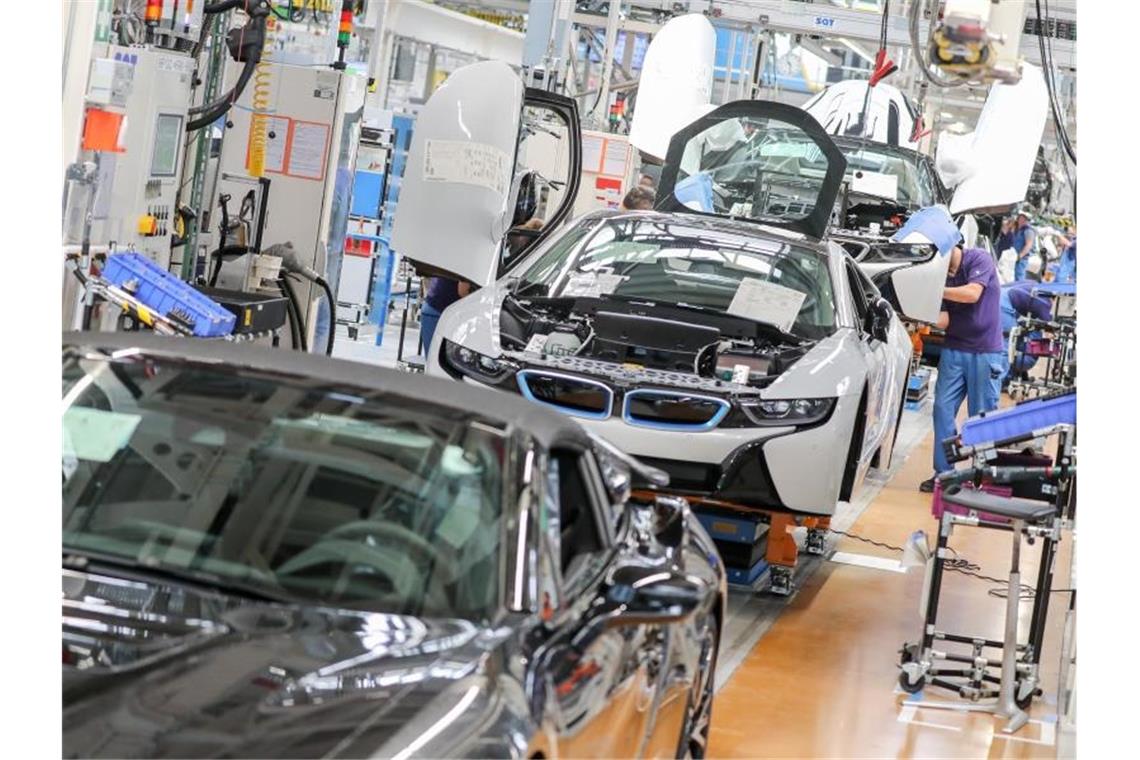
x: 492, y: 406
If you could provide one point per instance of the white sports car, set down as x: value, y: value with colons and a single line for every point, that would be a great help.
x: 721, y: 338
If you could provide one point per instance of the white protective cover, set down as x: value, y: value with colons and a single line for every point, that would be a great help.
x: 990, y: 167
x: 840, y: 107
x: 455, y: 195
x: 676, y: 82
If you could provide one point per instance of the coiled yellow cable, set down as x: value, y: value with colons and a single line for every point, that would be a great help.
x: 259, y: 124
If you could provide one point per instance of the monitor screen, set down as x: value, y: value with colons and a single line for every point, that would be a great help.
x: 167, y: 132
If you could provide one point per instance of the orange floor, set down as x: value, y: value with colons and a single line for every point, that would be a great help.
x: 821, y: 682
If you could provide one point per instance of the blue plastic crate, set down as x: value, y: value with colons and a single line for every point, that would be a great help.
x: 739, y: 576
x: 742, y: 530
x: 165, y: 294
x: 1020, y: 421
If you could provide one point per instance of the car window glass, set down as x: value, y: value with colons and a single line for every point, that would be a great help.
x: 579, y: 533
x: 289, y: 488
x: 669, y: 263
x: 858, y: 296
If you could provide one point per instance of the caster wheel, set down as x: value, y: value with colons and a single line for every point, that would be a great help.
x: 1027, y: 700
x: 816, y: 541
x: 908, y: 686
x: 780, y: 582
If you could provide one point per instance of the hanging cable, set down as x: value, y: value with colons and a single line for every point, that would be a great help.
x: 246, y: 45
x: 1051, y: 82
x: 933, y: 78
x: 295, y: 308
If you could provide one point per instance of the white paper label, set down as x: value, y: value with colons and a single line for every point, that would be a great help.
x: 307, y: 150
x: 469, y: 163
x: 536, y: 344
x: 767, y: 302
x: 592, y: 284
x: 740, y: 374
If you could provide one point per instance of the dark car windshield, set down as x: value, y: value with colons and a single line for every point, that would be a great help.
x: 915, y: 181
x: 290, y: 489
x: 647, y: 258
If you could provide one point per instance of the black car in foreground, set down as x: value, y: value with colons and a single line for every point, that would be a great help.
x: 268, y: 554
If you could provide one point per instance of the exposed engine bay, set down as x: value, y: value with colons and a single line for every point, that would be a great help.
x: 658, y: 343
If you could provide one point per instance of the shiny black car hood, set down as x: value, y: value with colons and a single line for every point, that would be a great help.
x: 159, y: 670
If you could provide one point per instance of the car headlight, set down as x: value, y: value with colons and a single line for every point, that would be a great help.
x: 462, y: 361
x: 800, y: 411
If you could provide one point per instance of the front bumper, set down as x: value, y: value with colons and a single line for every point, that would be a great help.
x: 794, y: 468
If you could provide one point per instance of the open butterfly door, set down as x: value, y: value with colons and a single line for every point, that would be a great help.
x: 459, y: 192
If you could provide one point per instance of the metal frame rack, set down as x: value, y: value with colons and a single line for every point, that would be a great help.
x: 972, y: 676
x: 1053, y: 341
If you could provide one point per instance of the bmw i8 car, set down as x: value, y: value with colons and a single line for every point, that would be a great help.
x: 722, y: 337
x: 268, y: 554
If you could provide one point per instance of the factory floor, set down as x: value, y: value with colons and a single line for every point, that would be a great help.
x: 821, y: 682
x: 815, y: 675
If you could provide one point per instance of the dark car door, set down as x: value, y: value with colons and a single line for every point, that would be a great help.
x: 600, y: 682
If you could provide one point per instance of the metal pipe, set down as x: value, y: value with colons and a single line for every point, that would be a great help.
x: 1007, y: 702
x: 602, y: 106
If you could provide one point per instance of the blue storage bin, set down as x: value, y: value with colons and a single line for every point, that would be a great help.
x: 1020, y: 421
x: 741, y: 530
x: 745, y: 577
x: 168, y: 296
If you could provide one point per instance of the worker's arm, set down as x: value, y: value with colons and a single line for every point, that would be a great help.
x: 464, y: 289
x: 943, y: 320
x: 968, y: 293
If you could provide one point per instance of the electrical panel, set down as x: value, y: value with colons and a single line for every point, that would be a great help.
x: 303, y: 130
x: 134, y: 128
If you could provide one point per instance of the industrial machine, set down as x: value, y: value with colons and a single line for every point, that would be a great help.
x: 305, y: 123
x: 978, y: 40
x: 135, y: 117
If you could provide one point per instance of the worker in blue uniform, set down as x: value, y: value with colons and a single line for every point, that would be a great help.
x: 972, y: 363
x: 1024, y: 242
x: 1017, y: 300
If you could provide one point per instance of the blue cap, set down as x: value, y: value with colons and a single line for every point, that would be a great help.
x: 931, y: 225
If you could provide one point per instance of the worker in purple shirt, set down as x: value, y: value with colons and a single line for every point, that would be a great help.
x: 972, y: 362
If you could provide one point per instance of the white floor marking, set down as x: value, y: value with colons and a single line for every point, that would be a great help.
x: 1048, y: 734
x: 866, y: 560
x: 906, y: 715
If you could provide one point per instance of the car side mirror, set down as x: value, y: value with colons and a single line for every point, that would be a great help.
x: 879, y: 319
x: 664, y: 519
x: 643, y: 595
x: 622, y: 473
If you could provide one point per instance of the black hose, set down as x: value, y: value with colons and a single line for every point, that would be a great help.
x: 294, y: 309
x: 291, y: 312
x: 221, y: 106
x: 324, y: 284
x: 223, y: 5
x: 208, y: 113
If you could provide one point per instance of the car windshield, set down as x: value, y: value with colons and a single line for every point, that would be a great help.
x: 912, y: 181
x: 752, y: 167
x: 287, y: 489
x: 627, y: 257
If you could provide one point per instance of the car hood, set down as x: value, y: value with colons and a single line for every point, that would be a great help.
x: 157, y: 670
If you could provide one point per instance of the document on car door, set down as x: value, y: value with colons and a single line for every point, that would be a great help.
x: 768, y: 302
x: 470, y: 163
